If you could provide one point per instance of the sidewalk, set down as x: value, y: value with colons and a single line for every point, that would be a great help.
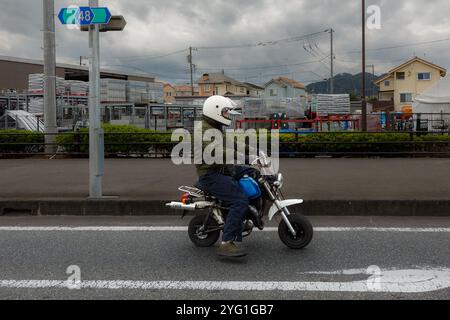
x: 385, y: 183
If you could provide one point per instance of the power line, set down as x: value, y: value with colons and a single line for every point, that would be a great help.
x: 153, y: 57
x: 260, y: 67
x: 398, y: 46
x: 264, y: 44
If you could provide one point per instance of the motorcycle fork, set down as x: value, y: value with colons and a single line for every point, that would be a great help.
x: 283, y: 211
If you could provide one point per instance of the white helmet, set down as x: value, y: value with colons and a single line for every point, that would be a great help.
x: 219, y: 109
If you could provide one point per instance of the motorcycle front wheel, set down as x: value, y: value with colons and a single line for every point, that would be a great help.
x: 198, y: 232
x: 304, y: 232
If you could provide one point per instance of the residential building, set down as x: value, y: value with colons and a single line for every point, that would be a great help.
x: 402, y: 84
x: 283, y: 87
x: 211, y: 84
x: 169, y: 93
x: 253, y: 90
x: 185, y: 91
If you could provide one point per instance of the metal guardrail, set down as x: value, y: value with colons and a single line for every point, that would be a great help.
x: 133, y: 145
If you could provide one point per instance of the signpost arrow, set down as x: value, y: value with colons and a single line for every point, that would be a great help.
x: 101, y: 15
x: 116, y: 23
x: 84, y: 16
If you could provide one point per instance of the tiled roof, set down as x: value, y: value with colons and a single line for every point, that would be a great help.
x: 218, y: 78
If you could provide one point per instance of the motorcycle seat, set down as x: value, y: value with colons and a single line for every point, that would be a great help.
x: 206, y: 193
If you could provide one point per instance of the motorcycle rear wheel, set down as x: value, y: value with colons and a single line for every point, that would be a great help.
x: 304, y: 232
x: 200, y: 238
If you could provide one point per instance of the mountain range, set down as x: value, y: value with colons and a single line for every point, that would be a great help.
x: 346, y: 83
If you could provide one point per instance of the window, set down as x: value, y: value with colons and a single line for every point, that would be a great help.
x: 405, y: 97
x: 387, y: 83
x: 207, y: 88
x: 424, y: 76
x: 273, y: 92
x: 242, y: 90
x: 400, y: 76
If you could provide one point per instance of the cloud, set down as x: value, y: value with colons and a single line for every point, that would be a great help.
x: 157, y: 27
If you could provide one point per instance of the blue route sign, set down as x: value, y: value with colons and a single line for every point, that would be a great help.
x: 84, y: 16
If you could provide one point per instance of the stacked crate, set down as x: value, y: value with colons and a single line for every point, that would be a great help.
x: 155, y: 92
x: 113, y: 90
x: 331, y: 104
x: 77, y: 88
x: 36, y: 90
x: 137, y: 92
x: 36, y: 84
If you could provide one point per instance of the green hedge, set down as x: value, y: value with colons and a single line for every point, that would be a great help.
x: 376, y: 142
x: 125, y: 139
x: 26, y: 139
x: 129, y: 138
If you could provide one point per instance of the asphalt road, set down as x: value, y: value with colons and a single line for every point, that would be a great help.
x: 157, y: 179
x: 141, y: 258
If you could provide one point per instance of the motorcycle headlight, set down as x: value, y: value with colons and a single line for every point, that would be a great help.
x: 279, y: 182
x: 281, y: 179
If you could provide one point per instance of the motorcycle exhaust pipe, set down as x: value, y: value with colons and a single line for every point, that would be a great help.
x: 189, y: 207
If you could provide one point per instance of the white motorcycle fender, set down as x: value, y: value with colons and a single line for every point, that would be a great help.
x: 282, y: 204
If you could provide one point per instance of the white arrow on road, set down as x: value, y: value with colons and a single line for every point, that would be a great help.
x: 388, y: 281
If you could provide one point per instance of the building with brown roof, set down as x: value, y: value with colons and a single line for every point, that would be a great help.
x: 283, y: 87
x: 169, y: 93
x: 220, y: 84
x: 402, y: 84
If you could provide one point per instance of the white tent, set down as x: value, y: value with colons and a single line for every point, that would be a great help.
x: 434, y: 105
x: 435, y: 99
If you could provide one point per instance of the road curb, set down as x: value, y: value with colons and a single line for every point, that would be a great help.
x: 83, y: 207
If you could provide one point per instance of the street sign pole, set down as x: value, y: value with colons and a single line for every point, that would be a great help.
x: 96, y: 134
x: 51, y: 127
x: 363, y: 93
x: 94, y: 19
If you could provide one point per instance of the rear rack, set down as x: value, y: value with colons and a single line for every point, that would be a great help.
x: 195, y: 192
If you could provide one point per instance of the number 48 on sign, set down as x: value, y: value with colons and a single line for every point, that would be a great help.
x: 84, y: 16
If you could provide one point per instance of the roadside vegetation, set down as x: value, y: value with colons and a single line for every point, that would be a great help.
x: 133, y: 141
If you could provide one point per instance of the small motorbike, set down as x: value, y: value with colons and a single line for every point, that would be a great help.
x: 266, y: 199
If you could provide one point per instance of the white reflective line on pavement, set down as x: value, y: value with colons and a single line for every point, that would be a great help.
x: 184, y: 229
x: 393, y: 281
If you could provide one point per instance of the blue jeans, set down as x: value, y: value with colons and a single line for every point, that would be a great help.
x: 227, y: 189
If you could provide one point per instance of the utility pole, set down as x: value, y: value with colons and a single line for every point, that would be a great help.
x: 81, y: 60
x: 51, y: 127
x: 192, y: 70
x: 373, y: 76
x: 332, y: 63
x: 96, y: 134
x: 363, y: 93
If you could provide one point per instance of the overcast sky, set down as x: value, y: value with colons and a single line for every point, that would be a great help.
x: 159, y: 27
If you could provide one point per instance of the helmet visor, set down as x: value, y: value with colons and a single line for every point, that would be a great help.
x: 228, y: 112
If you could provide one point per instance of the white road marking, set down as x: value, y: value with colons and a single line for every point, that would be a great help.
x: 390, y: 281
x: 184, y: 229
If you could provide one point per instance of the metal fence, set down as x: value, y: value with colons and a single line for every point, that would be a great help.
x: 380, y: 122
x: 159, y: 144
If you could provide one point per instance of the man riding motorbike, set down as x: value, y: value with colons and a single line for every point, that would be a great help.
x: 222, y: 181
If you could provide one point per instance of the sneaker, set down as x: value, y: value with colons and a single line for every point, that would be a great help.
x: 231, y: 250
